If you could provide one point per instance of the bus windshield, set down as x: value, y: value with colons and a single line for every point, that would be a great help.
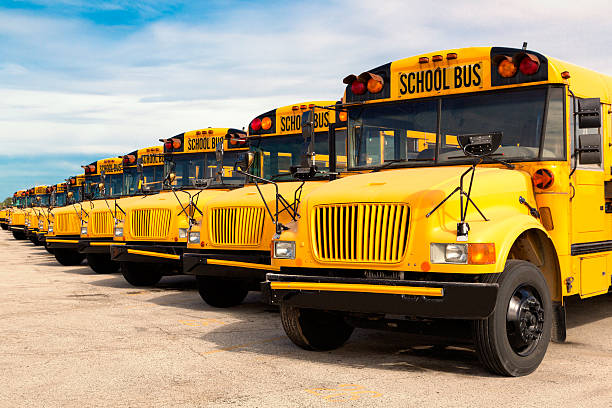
x: 152, y: 178
x: 60, y: 199
x: 44, y: 200
x: 409, y: 132
x: 192, y: 167
x: 275, y: 155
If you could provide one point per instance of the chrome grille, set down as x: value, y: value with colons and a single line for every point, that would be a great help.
x: 150, y: 223
x: 376, y: 233
x: 101, y: 224
x: 237, y: 226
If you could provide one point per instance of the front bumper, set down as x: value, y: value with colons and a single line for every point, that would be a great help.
x: 450, y: 300
x: 147, y: 254
x: 17, y: 228
x: 63, y: 242
x: 239, y: 265
x: 96, y: 245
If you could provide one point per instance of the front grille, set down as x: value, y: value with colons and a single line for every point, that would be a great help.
x: 376, y: 233
x: 17, y: 219
x: 150, y: 223
x: 67, y: 224
x: 101, y: 224
x: 238, y: 226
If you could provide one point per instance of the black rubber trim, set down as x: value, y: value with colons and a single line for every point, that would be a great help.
x: 591, y: 247
x: 85, y: 246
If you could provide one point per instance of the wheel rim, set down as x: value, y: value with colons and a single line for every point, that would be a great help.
x: 525, y: 320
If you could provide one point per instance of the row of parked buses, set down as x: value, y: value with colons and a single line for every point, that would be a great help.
x: 465, y: 193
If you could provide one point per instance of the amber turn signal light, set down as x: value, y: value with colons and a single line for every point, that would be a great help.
x: 266, y: 123
x: 481, y: 254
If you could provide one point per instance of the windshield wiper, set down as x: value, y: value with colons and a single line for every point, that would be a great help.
x: 386, y: 164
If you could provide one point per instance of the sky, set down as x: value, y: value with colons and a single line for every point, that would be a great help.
x: 82, y: 80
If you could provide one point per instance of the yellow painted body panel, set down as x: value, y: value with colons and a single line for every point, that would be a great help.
x: 576, y: 203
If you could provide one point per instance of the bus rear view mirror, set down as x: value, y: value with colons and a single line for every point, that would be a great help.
x: 307, y: 124
x: 590, y: 149
x: 589, y: 113
x: 219, y: 150
x: 480, y: 144
x: 245, y: 162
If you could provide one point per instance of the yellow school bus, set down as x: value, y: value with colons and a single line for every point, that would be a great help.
x: 229, y: 252
x: 36, y: 213
x: 493, y: 226
x: 4, y: 212
x: 141, y: 173
x: 153, y: 234
x: 65, y: 223
x: 16, y: 215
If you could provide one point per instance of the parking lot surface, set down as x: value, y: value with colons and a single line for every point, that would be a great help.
x: 71, y: 338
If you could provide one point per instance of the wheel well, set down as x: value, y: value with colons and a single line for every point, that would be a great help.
x: 534, y: 246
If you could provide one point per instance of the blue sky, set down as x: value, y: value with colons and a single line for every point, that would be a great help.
x: 87, y: 79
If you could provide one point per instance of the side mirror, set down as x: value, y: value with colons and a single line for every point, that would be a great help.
x: 101, y: 187
x: 480, y: 144
x: 307, y: 124
x: 171, y: 177
x: 102, y: 175
x: 139, y: 165
x: 590, y: 149
x: 245, y: 162
x: 219, y: 150
x: 589, y: 113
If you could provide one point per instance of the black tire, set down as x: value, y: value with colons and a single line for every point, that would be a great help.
x: 34, y: 239
x: 513, y: 340
x: 219, y: 292
x: 49, y: 250
x: 141, y: 274
x: 19, y: 235
x: 4, y: 226
x: 68, y: 257
x: 101, y: 263
x: 316, y: 330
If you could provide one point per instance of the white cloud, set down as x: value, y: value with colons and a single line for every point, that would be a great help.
x: 69, y: 85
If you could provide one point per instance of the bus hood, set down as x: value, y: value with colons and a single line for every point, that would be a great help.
x: 423, y: 188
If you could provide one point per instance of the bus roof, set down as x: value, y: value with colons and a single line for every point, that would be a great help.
x: 286, y: 120
x: 203, y: 140
x: 472, y: 69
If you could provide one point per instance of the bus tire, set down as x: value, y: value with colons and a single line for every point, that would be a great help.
x: 316, y: 330
x: 68, y: 257
x: 19, y: 235
x: 141, y: 274
x: 34, y: 239
x: 101, y: 263
x: 4, y: 226
x: 49, y: 250
x: 219, y: 292
x: 513, y: 340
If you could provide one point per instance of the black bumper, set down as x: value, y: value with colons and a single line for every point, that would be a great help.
x: 96, y: 246
x: 17, y: 228
x: 450, y: 300
x: 63, y: 242
x: 251, y: 266
x: 147, y: 253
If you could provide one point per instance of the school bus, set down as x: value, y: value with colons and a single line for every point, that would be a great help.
x: 65, y: 223
x: 59, y: 199
x: 153, y: 234
x: 35, y: 214
x: 4, y: 218
x: 490, y: 235
x: 16, y: 216
x: 229, y: 252
x: 141, y: 173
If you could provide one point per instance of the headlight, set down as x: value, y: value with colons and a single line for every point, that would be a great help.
x: 118, y: 231
x: 284, y: 249
x: 182, y: 233
x: 194, y: 237
x: 473, y: 254
x: 83, y: 230
x: 449, y: 253
x: 50, y: 227
x: 41, y: 225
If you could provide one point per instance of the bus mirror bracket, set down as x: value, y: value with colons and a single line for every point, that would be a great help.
x: 479, y: 146
x: 219, y: 151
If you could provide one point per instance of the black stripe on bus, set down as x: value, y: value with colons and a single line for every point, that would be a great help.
x: 591, y: 247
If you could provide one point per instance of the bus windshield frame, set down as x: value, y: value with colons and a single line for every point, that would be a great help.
x: 153, y: 177
x: 531, y: 119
